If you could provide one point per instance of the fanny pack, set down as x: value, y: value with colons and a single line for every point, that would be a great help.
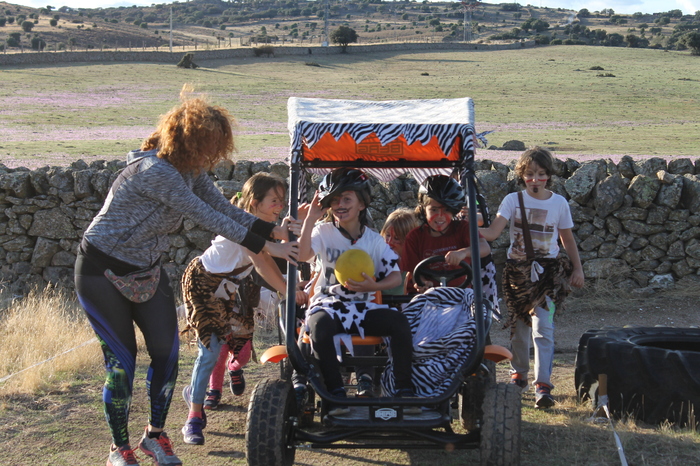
x: 139, y: 286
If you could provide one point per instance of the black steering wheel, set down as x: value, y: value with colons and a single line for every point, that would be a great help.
x: 423, y: 271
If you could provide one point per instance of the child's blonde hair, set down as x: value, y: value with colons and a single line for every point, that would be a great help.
x: 538, y: 155
x: 257, y: 187
x: 402, y: 221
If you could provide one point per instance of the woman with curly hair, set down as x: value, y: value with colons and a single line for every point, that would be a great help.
x: 118, y: 275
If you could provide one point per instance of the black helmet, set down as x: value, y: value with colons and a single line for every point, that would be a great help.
x: 446, y: 190
x: 340, y: 180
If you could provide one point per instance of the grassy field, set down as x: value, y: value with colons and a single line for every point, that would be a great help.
x: 547, y: 96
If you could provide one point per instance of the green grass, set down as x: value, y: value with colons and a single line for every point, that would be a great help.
x: 546, y: 96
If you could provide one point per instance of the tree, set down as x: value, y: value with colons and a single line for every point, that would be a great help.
x: 344, y: 35
x: 584, y: 13
x: 27, y: 26
x: 38, y: 43
x: 692, y: 41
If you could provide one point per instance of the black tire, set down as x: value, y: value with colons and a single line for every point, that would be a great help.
x: 269, y: 434
x: 471, y: 396
x: 500, y: 432
x: 652, y: 372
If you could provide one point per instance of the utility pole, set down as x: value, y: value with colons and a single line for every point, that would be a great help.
x: 325, y: 24
x: 468, y: 6
x: 171, y: 29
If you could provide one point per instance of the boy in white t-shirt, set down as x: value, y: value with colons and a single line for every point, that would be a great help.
x: 535, y: 279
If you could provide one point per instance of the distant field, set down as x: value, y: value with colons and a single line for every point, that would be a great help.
x: 547, y: 96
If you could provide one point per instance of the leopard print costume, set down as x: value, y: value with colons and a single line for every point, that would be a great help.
x: 522, y: 295
x: 230, y: 318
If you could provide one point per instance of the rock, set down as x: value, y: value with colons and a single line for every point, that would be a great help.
x: 626, y: 167
x: 514, y: 144
x: 52, y: 224
x: 606, y: 268
x: 681, y: 167
x: 242, y: 171
x: 662, y: 282
x: 18, y: 183
x: 223, y: 170
x: 643, y: 190
x: 609, y: 195
x: 280, y: 169
x: 581, y: 184
x: 44, y: 249
x: 670, y: 193
x: 690, y: 195
x: 649, y: 167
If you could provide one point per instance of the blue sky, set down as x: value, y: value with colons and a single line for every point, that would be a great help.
x: 620, y: 6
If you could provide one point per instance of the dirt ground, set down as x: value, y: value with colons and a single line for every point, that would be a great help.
x: 65, y: 425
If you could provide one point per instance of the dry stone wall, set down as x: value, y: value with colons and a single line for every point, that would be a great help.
x: 155, y: 56
x: 637, y: 223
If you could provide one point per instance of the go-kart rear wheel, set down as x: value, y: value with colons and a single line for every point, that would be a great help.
x: 500, y: 430
x: 471, y: 396
x: 269, y: 434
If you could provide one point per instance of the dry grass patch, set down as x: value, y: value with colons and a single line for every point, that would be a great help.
x: 45, y: 338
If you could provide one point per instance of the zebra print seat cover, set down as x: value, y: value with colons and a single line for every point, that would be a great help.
x: 444, y: 335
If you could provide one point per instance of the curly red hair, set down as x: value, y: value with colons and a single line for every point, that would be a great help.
x: 193, y: 135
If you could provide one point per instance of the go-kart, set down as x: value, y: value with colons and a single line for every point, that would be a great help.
x: 386, y: 140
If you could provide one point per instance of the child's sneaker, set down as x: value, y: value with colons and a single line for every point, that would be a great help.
x: 192, y: 431
x: 237, y: 382
x: 339, y: 410
x: 543, y: 396
x: 365, y: 386
x: 212, y: 399
x: 187, y: 396
x: 122, y: 456
x: 159, y: 449
x: 517, y: 379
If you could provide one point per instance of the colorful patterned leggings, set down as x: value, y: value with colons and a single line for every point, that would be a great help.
x: 112, y: 316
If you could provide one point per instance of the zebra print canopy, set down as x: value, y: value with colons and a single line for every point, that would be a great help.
x: 436, y: 132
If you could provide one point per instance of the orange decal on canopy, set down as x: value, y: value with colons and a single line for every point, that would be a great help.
x: 347, y: 149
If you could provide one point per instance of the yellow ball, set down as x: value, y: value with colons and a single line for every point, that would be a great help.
x: 351, y: 264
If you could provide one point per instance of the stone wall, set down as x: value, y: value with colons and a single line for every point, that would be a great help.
x: 637, y: 224
x: 165, y: 56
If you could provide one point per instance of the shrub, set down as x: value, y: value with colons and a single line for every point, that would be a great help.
x: 3, y: 20
x: 312, y: 63
x: 53, y: 22
x: 596, y: 68
x: 38, y: 43
x: 27, y: 26
x: 542, y: 39
x: 143, y: 25
x: 510, y: 6
x: 555, y: 42
x: 266, y: 50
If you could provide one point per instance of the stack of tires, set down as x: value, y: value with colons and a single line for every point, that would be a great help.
x: 653, y: 373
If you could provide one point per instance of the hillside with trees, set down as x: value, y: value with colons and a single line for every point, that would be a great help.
x: 217, y: 23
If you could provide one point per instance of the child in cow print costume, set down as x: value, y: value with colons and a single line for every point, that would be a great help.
x: 342, y: 308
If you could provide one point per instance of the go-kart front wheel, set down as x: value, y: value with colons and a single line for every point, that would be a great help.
x: 500, y: 430
x: 269, y: 434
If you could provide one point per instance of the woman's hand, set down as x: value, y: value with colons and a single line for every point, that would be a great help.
x: 367, y: 285
x: 280, y: 232
x: 287, y: 251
